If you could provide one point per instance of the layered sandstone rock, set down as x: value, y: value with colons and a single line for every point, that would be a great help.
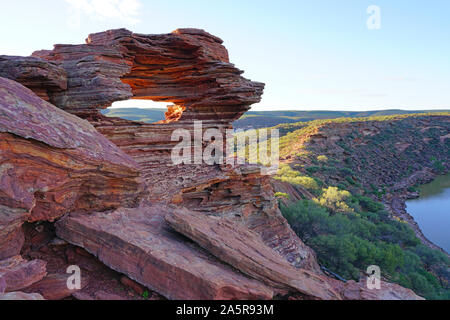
x: 54, y: 287
x: 18, y: 295
x: 39, y: 75
x: 246, y: 251
x: 16, y: 273
x: 139, y: 243
x: 188, y: 67
x: 52, y: 162
x: 352, y: 290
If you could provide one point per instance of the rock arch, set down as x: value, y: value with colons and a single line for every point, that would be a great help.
x: 188, y: 67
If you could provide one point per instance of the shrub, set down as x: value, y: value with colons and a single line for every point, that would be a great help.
x: 286, y: 174
x: 334, y: 199
x: 281, y: 195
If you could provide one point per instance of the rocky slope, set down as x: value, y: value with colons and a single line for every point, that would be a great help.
x: 114, y: 191
x: 382, y: 157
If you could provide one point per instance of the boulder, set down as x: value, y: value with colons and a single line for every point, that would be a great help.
x: 246, y: 251
x: 352, y: 290
x: 54, y: 287
x: 139, y: 243
x: 16, y: 273
x: 37, y: 74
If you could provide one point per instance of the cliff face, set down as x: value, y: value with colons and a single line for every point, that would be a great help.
x: 114, y: 189
x: 53, y: 163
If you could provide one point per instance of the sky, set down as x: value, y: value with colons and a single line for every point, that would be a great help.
x: 312, y: 55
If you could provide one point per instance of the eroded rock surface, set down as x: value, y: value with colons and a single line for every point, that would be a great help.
x: 139, y: 243
x: 188, y: 67
x: 16, y: 273
x: 18, y: 295
x: 245, y: 250
x: 39, y: 75
x: 52, y: 162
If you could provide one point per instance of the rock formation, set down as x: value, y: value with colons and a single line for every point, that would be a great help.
x: 41, y: 76
x: 114, y: 190
x: 52, y: 163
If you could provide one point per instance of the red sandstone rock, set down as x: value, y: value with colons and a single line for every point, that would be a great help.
x: 136, y: 287
x: 16, y: 273
x: 21, y: 296
x: 52, y: 162
x: 352, y: 290
x: 240, y: 192
x: 103, y: 295
x: 54, y: 287
x: 245, y: 250
x: 188, y: 67
x: 34, y: 73
x: 139, y: 243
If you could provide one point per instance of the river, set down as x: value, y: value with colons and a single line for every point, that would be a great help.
x: 432, y: 211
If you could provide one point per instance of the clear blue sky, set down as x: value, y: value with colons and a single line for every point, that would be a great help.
x: 311, y: 54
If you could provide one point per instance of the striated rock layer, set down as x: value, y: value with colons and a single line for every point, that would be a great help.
x: 245, y: 250
x: 188, y: 67
x: 41, y: 76
x: 51, y: 163
x: 140, y: 244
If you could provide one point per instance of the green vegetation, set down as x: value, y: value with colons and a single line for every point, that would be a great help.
x: 286, y: 174
x: 145, y: 294
x: 261, y: 119
x: 334, y: 199
x: 347, y: 243
x: 281, y: 195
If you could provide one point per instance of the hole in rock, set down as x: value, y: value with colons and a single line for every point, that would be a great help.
x: 147, y: 111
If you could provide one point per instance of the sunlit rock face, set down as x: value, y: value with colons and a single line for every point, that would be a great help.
x: 52, y: 162
x: 41, y: 76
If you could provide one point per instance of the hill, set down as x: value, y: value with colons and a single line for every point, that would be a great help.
x: 256, y: 119
x: 343, y: 183
x: 149, y: 115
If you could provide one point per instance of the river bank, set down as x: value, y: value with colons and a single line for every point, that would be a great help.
x: 395, y: 202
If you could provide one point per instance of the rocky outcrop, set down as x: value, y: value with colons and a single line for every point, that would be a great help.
x: 139, y: 243
x: 245, y: 250
x: 191, y: 69
x: 16, y: 273
x: 39, y: 75
x: 352, y: 290
x: 21, y: 296
x: 51, y: 163
x: 188, y: 67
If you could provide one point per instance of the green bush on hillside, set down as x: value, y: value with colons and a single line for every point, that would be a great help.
x: 348, y: 243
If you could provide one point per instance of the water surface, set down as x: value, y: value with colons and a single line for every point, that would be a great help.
x: 432, y: 211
